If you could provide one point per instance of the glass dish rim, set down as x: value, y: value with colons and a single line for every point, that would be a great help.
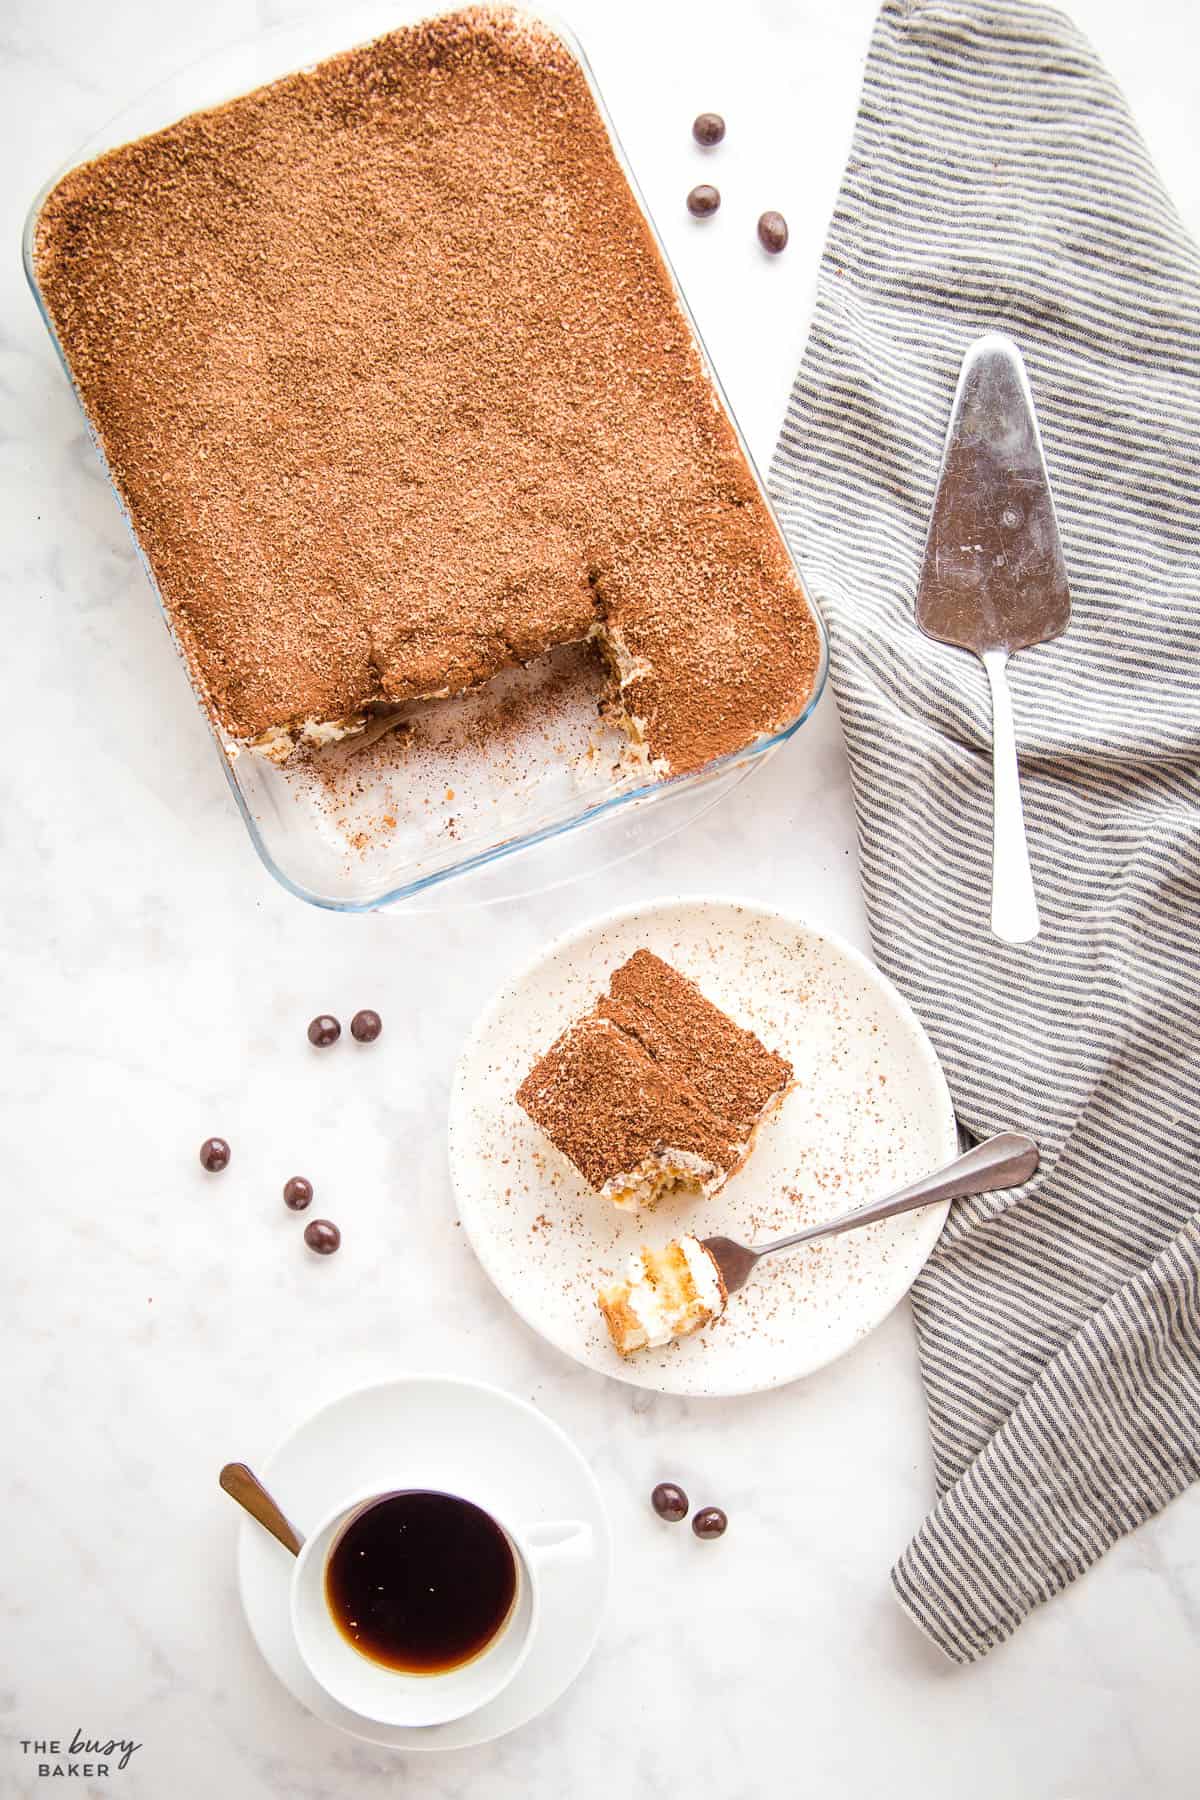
x: 106, y: 137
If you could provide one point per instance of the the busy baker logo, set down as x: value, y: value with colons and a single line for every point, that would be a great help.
x: 79, y: 1756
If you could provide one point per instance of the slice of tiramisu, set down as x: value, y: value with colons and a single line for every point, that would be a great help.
x: 655, y: 1089
x: 666, y: 1294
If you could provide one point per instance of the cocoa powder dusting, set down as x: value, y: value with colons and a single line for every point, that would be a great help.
x: 653, y: 1063
x: 397, y: 391
x: 606, y: 1105
x: 694, y: 1042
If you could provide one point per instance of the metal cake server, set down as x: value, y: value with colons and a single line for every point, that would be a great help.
x: 1003, y: 1161
x: 994, y: 580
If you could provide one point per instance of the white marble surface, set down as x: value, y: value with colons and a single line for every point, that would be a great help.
x: 158, y: 983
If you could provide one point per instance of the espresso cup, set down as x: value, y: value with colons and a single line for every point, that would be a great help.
x: 396, y: 1696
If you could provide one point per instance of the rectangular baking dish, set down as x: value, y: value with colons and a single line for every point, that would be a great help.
x: 469, y: 780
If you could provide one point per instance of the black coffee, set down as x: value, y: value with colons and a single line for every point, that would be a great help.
x: 421, y: 1582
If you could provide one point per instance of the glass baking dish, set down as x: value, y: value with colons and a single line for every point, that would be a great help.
x: 467, y: 781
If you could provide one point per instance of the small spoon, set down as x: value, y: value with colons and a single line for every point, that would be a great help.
x: 1003, y: 1161
x: 243, y: 1485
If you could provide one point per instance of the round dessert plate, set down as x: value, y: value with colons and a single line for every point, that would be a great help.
x: 530, y: 1466
x: 870, y: 1111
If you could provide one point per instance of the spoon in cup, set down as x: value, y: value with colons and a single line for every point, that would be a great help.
x: 242, y: 1484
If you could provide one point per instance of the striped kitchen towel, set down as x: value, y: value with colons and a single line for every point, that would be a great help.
x: 997, y: 181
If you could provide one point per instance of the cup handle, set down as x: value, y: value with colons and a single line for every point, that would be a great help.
x: 556, y: 1541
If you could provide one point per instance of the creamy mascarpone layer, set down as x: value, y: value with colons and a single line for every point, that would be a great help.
x: 660, y: 1174
x: 656, y: 1303
x: 279, y: 743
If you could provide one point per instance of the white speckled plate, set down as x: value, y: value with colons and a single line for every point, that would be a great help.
x: 870, y: 1111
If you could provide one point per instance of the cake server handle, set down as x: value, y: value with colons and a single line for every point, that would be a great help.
x: 1014, y: 903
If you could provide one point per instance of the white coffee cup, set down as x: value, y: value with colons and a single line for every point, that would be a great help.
x: 394, y: 1696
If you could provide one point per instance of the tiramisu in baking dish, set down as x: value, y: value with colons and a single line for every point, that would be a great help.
x: 397, y: 391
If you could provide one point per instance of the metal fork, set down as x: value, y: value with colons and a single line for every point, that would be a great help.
x: 1003, y: 1161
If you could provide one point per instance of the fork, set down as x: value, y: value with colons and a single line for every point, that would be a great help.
x: 1003, y: 1161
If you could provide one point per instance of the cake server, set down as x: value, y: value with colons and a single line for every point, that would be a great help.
x: 994, y: 581
x: 1003, y: 1161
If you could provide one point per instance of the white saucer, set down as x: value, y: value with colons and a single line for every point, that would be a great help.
x: 532, y: 1468
x: 870, y: 1111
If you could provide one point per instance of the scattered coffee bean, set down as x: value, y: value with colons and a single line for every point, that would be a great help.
x: 708, y: 129
x: 323, y: 1236
x: 366, y: 1026
x: 324, y: 1031
x: 773, y: 232
x: 703, y: 201
x: 669, y: 1502
x: 297, y: 1193
x: 709, y: 1522
x: 214, y: 1155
